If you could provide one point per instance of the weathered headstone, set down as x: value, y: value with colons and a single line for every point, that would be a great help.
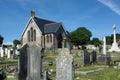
x: 8, y: 54
x: 86, y: 58
x: 104, y: 58
x: 34, y: 63
x: 30, y: 64
x: 6, y: 50
x: 101, y: 58
x: 22, y: 66
x: 1, y: 52
x: 64, y: 70
x: 94, y: 56
x: 108, y: 57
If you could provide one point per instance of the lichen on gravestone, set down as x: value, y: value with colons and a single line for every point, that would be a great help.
x: 64, y: 70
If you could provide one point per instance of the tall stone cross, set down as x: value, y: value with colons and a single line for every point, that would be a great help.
x: 114, y: 44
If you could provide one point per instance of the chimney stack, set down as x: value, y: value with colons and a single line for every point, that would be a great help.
x: 32, y: 14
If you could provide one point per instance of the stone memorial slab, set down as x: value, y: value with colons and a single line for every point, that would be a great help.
x: 101, y: 58
x: 1, y: 52
x: 30, y: 63
x: 104, y: 58
x: 22, y: 66
x: 94, y: 56
x: 64, y: 70
x: 34, y: 63
x: 108, y: 56
x: 86, y: 58
x: 6, y: 51
x: 8, y: 54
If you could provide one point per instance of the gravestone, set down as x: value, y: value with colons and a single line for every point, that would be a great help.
x: 101, y: 58
x: 6, y: 51
x: 64, y: 70
x: 104, y: 58
x: 29, y: 63
x: 94, y: 56
x: 86, y: 58
x: 8, y: 54
x: 1, y: 53
x: 34, y: 63
x: 22, y: 63
x: 108, y: 57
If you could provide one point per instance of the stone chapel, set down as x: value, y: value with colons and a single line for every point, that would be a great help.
x: 48, y: 34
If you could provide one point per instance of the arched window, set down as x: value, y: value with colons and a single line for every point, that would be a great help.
x: 28, y: 35
x: 47, y: 37
x: 50, y: 38
x: 34, y: 35
x: 31, y: 33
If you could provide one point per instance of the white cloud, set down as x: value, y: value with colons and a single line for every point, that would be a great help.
x: 113, y: 6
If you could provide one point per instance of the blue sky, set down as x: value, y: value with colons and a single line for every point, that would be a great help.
x: 96, y: 15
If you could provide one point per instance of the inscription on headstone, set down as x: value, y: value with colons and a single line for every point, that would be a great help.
x: 64, y: 70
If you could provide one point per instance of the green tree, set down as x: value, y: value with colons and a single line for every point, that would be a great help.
x: 1, y: 39
x: 80, y: 36
x: 108, y: 40
x: 117, y: 37
x: 15, y: 42
x: 96, y: 41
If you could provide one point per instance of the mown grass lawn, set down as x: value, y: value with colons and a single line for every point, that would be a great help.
x: 106, y: 74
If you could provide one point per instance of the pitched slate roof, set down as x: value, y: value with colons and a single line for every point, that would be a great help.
x: 51, y: 28
x: 41, y: 22
x: 47, y: 26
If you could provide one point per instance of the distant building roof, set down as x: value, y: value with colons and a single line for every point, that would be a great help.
x: 47, y: 26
